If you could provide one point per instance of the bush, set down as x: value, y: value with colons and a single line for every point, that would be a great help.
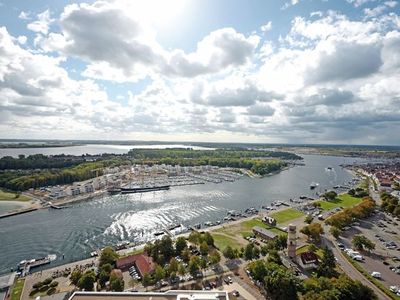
x: 44, y: 288
x: 33, y: 292
x: 51, y: 291
x: 38, y: 285
x: 53, y: 284
x: 47, y: 281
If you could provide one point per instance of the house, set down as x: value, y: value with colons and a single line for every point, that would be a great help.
x: 142, y: 262
x: 264, y: 233
x: 308, y: 260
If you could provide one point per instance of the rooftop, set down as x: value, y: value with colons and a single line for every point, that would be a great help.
x: 264, y: 232
x: 309, y: 257
x: 168, y: 295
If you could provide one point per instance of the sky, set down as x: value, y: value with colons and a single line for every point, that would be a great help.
x: 278, y: 71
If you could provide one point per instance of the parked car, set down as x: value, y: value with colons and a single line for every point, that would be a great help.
x: 235, y: 293
x: 377, y: 275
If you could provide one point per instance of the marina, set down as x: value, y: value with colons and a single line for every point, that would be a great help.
x: 110, y: 219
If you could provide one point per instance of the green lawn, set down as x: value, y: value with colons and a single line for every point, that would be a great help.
x: 8, y: 196
x: 221, y: 241
x: 17, y: 290
x: 287, y: 215
x: 343, y: 200
x: 230, y: 234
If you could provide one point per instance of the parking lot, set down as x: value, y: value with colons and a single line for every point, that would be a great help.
x: 384, y: 231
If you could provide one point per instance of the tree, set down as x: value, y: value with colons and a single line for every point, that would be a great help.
x: 146, y: 280
x: 308, y: 219
x: 330, y: 195
x: 204, y: 248
x: 181, y: 270
x: 75, y: 276
x: 215, y: 257
x: 186, y: 255
x: 104, y: 274
x: 194, y: 237
x: 327, y: 265
x: 336, y: 232
x: 229, y: 253
x: 173, y: 265
x: 87, y: 280
x: 203, y: 263
x: 360, y: 242
x: 341, y: 288
x: 274, y: 257
x: 256, y: 252
x: 353, y: 290
x: 194, y: 265
x: 280, y: 242
x: 108, y: 256
x: 280, y: 283
x: 313, y: 231
x: 180, y: 245
x: 159, y: 273
x: 116, y: 281
x: 208, y: 239
x: 166, y: 247
x: 248, y: 251
x: 258, y: 269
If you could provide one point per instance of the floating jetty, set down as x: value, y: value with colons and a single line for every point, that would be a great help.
x: 25, y: 265
x: 139, y: 189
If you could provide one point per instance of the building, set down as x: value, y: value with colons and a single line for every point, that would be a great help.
x: 168, y: 295
x: 308, y: 260
x: 73, y: 191
x: 142, y: 262
x: 292, y: 241
x: 57, y: 192
x: 264, y: 233
x: 6, y: 282
x: 269, y: 220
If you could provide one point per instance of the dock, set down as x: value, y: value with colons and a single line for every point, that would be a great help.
x: 18, y: 212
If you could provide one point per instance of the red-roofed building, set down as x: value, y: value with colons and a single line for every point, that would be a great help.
x: 142, y: 262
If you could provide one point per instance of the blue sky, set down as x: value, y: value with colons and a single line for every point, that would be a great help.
x: 297, y: 71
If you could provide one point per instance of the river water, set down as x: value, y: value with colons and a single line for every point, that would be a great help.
x: 88, y: 225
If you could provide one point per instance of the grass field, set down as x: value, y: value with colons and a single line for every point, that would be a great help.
x: 17, y: 290
x: 222, y: 241
x: 287, y: 215
x: 231, y: 234
x: 343, y: 200
x: 7, y: 196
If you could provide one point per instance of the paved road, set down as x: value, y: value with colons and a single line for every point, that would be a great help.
x: 350, y: 270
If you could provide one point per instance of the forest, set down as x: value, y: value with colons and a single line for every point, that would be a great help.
x: 35, y: 171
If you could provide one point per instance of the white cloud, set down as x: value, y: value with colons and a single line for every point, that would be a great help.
x: 85, y: 27
x: 42, y: 23
x: 266, y: 27
x: 22, y: 39
x: 24, y: 15
x: 358, y: 3
x: 329, y: 78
